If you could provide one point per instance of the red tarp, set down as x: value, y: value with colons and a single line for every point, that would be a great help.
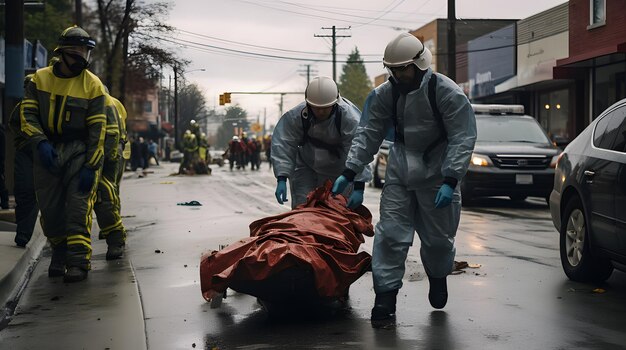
x: 322, y: 236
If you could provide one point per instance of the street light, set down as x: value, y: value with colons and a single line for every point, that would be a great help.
x: 176, y: 138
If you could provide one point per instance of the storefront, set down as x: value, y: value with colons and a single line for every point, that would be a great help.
x: 597, y: 55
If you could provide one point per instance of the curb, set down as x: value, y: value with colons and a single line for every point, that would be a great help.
x: 13, y: 283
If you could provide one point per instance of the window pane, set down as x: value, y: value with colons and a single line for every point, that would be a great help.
x: 600, y: 130
x: 509, y: 129
x: 620, y: 139
x: 598, y: 11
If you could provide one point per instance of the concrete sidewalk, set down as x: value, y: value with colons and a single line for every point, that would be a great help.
x: 16, y: 264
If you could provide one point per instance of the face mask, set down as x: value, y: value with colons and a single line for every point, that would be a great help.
x: 80, y: 63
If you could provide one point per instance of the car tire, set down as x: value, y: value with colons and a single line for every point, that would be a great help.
x: 518, y: 198
x: 376, y: 180
x: 576, y: 257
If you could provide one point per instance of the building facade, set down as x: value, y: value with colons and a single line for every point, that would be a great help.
x: 596, y: 59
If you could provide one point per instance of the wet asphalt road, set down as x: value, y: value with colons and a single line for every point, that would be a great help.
x: 518, y: 298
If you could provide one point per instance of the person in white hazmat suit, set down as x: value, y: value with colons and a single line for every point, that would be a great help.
x: 311, y: 141
x: 435, y: 132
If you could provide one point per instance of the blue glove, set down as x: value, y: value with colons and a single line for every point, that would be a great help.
x: 444, y: 196
x: 47, y: 154
x: 86, y: 178
x: 340, y: 185
x: 281, y: 191
x: 356, y: 199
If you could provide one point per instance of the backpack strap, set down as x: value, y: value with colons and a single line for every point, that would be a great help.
x: 306, y: 125
x: 432, y: 99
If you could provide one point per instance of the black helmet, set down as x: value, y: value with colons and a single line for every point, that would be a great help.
x: 75, y: 36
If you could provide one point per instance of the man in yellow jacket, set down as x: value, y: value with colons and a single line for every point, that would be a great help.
x: 63, y: 118
x: 108, y: 206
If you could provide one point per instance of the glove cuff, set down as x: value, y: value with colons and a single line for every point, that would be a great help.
x: 450, y: 181
x: 359, y: 186
x: 349, y: 174
x: 281, y: 178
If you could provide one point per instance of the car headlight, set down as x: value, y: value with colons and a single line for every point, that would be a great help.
x: 480, y: 160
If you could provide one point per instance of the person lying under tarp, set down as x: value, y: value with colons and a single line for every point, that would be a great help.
x: 306, y: 256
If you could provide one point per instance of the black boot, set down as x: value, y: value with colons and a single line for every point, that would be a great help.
x: 384, y: 310
x: 115, y: 242
x: 74, y: 274
x: 57, y: 262
x: 438, y: 293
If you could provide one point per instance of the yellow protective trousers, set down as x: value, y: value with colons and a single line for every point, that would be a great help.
x: 66, y: 213
x: 108, y: 205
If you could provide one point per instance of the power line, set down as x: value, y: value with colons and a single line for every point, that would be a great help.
x: 334, y: 48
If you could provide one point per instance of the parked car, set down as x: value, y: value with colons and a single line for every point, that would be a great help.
x: 589, y: 199
x: 380, y: 164
x: 513, y: 156
x: 216, y: 157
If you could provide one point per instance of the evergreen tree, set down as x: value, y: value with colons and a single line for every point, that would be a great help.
x: 354, y: 84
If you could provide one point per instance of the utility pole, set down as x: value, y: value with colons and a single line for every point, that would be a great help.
x: 14, y: 74
x: 451, y: 40
x: 334, y: 49
x: 176, y: 131
x: 308, y: 72
x: 78, y: 13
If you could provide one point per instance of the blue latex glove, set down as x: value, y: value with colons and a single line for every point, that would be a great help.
x: 47, y: 154
x: 444, y: 196
x: 281, y: 192
x: 340, y: 186
x: 356, y: 199
x: 86, y: 178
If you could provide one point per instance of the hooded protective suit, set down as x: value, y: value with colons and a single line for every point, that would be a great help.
x: 414, y: 176
x: 309, y: 162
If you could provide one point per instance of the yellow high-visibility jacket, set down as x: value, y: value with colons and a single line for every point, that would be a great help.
x: 66, y: 109
x: 121, y: 111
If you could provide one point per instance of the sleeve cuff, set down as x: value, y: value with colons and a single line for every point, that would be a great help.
x: 450, y: 181
x: 359, y: 186
x: 349, y: 174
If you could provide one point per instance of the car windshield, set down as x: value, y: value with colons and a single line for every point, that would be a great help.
x: 509, y: 129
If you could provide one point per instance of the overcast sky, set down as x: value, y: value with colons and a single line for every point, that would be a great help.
x: 263, y: 45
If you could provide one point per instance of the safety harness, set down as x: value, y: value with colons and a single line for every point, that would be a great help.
x: 432, y: 99
x: 306, y: 125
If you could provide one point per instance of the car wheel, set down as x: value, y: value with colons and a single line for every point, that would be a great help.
x: 518, y: 198
x: 578, y: 262
x: 377, y: 181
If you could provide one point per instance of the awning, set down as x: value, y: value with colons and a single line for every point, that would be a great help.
x: 167, y: 126
x: 574, y: 67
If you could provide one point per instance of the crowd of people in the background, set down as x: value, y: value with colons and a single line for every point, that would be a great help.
x: 243, y: 151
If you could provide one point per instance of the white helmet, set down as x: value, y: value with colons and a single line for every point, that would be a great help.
x: 235, y: 138
x: 321, y: 92
x: 406, y: 49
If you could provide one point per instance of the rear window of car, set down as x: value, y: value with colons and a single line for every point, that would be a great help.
x: 509, y: 129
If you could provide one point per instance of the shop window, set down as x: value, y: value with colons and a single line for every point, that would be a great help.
x: 609, y: 86
x: 554, y: 115
x: 597, y: 13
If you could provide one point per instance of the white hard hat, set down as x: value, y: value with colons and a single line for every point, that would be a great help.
x: 406, y: 49
x: 321, y: 92
x: 235, y: 138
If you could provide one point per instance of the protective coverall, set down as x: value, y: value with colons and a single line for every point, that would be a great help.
x: 108, y: 205
x: 69, y: 113
x: 309, y: 162
x: 413, y: 178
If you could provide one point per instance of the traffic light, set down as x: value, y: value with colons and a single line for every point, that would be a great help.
x: 227, y: 97
x: 222, y: 100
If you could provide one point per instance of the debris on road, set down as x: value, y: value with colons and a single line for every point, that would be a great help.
x: 190, y: 203
x: 599, y: 290
x: 158, y: 251
x: 460, y: 266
